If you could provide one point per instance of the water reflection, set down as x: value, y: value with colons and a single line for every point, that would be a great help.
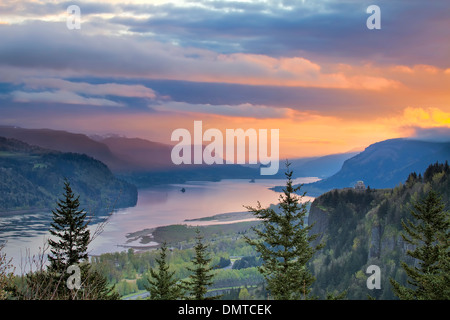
x: 157, y: 206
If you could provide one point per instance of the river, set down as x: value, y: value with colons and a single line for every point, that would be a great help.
x: 26, y: 234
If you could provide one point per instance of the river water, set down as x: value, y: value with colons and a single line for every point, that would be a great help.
x: 26, y: 234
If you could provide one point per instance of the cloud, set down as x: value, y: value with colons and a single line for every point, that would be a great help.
x: 230, y: 57
x: 57, y: 50
x: 422, y: 123
x: 19, y: 11
x: 440, y: 134
x: 331, y: 30
x: 61, y: 96
x: 113, y: 89
x: 54, y: 90
x: 246, y: 110
x: 427, y: 117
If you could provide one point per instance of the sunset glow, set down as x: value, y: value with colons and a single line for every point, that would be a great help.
x: 148, y: 67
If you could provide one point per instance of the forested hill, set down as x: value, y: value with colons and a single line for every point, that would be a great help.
x: 32, y: 177
x: 384, y: 164
x: 363, y: 227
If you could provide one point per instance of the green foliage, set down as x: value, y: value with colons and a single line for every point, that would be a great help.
x: 178, y: 233
x: 247, y: 262
x: 6, y: 275
x: 361, y: 228
x: 336, y: 296
x: 125, y: 287
x: 283, y: 243
x: 162, y: 284
x: 31, y: 178
x: 235, y: 278
x: 223, y: 263
x: 47, y: 285
x: 429, y: 234
x: 69, y: 228
x: 116, y: 266
x: 68, y: 248
x: 202, y: 273
x: 71, y: 239
x: 243, y: 294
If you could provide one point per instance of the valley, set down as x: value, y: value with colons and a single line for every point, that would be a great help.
x: 160, y: 204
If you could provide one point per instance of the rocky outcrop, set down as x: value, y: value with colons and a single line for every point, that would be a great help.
x: 319, y: 219
x: 375, y: 243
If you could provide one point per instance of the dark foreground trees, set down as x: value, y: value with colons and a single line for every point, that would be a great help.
x: 69, y: 275
x: 162, y: 284
x: 283, y: 242
x: 71, y: 233
x: 202, y: 272
x: 428, y: 232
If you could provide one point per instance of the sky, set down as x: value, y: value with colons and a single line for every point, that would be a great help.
x: 311, y: 68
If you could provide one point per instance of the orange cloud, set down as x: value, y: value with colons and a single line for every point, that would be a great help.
x: 426, y: 117
x: 254, y: 69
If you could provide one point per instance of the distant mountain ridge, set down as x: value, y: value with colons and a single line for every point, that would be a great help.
x: 120, y: 154
x: 32, y: 178
x: 64, y: 141
x: 140, y: 154
x: 144, y: 163
x: 384, y: 164
x: 138, y: 161
x: 123, y: 155
x: 320, y: 167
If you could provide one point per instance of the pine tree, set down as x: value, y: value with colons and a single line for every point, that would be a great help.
x: 162, y: 284
x: 284, y: 244
x: 71, y: 232
x: 202, y: 273
x: 72, y: 237
x: 429, y: 234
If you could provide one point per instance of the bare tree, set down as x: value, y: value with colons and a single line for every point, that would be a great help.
x: 6, y: 273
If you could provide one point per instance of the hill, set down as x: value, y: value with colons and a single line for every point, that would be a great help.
x: 32, y: 177
x: 321, y: 167
x: 138, y: 161
x: 363, y: 227
x: 139, y: 154
x: 384, y: 164
x: 64, y: 141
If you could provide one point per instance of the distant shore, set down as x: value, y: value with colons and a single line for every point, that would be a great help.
x: 22, y: 211
x: 151, y: 238
x: 221, y: 217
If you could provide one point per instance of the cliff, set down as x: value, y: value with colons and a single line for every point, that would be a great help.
x: 361, y: 228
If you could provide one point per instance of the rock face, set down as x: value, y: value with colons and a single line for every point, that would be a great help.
x: 319, y: 219
x: 361, y: 228
x: 375, y: 243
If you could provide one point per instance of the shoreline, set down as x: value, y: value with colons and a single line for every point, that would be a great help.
x: 23, y: 211
x: 144, y: 240
x: 223, y: 217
